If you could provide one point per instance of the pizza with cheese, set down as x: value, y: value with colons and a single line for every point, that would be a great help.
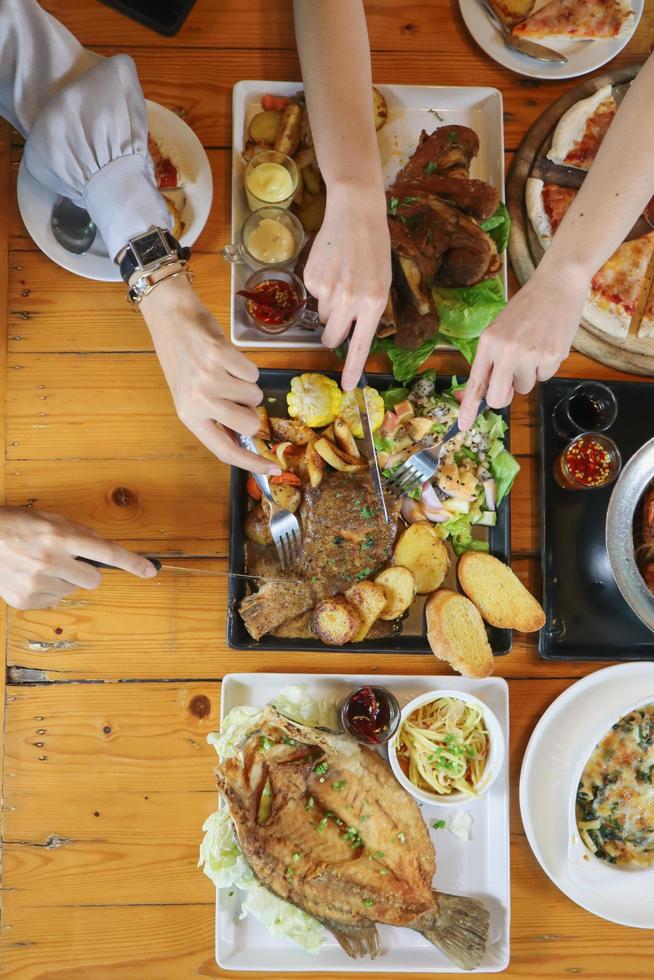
x: 582, y: 128
x: 512, y: 11
x: 576, y: 20
x: 617, y: 287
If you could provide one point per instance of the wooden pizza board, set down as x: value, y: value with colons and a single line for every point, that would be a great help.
x: 628, y: 353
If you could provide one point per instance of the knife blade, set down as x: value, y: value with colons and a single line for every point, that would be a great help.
x: 161, y: 567
x: 369, y: 442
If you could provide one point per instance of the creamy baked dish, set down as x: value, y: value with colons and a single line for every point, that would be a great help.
x: 615, y: 796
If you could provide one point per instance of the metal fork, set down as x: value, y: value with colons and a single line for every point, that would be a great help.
x: 421, y: 466
x: 284, y: 526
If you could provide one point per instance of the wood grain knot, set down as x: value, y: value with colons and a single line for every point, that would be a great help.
x: 107, y: 730
x: 200, y: 706
x: 124, y: 497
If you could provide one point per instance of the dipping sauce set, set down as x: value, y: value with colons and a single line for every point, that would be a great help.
x: 591, y: 459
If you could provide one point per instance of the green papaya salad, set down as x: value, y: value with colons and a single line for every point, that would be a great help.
x: 477, y: 470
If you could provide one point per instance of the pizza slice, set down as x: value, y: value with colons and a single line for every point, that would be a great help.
x: 617, y: 287
x: 646, y: 326
x: 582, y: 128
x: 510, y: 12
x: 577, y: 20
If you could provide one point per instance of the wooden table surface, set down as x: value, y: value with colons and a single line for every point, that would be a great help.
x: 107, y: 776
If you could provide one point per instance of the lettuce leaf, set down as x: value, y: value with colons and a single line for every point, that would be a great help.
x: 393, y: 397
x: 498, y: 226
x: 405, y: 362
x: 221, y: 857
x: 504, y: 468
x: 466, y: 311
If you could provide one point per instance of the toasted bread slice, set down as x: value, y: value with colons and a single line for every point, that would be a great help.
x: 457, y: 634
x: 498, y: 593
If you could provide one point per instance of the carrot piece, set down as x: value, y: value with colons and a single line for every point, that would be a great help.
x: 290, y: 478
x: 253, y: 488
x: 278, y: 102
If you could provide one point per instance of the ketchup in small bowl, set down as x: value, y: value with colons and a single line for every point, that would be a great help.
x: 370, y: 714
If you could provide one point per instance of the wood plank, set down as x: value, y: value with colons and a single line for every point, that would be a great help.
x: 409, y: 27
x: 5, y: 146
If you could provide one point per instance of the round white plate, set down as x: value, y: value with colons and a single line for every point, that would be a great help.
x: 36, y: 202
x: 583, y: 56
x: 549, y: 767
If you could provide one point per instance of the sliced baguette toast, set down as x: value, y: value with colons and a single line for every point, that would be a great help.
x: 457, y: 634
x: 498, y: 593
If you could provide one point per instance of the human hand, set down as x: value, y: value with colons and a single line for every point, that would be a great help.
x: 213, y: 385
x: 37, y: 558
x: 349, y: 271
x: 526, y: 343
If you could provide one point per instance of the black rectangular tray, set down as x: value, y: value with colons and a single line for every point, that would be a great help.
x: 273, y: 382
x: 587, y: 618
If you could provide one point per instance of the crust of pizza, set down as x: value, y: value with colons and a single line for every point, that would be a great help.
x: 571, y: 128
x: 536, y: 211
x: 577, y: 20
x: 616, y: 289
x: 646, y: 327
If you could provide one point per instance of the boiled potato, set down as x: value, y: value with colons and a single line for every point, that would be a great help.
x: 304, y: 157
x: 315, y: 465
x: 341, y: 461
x: 345, y: 439
x: 257, y: 527
x: 421, y: 551
x: 369, y: 600
x: 264, y: 424
x: 288, y: 134
x: 287, y: 496
x: 380, y: 108
x: 399, y: 586
x: 306, y: 138
x: 292, y: 430
x: 312, y: 210
x: 312, y: 179
x: 335, y: 621
x: 265, y: 126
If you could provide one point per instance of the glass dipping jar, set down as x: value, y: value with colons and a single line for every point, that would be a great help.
x: 270, y: 178
x: 269, y: 236
x: 589, y: 407
x: 370, y: 714
x: 290, y: 288
x: 590, y: 461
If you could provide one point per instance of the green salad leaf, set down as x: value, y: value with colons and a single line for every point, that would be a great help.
x: 393, y: 397
x: 466, y: 311
x: 504, y: 468
x: 498, y: 226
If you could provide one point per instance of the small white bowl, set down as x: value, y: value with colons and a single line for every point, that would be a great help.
x: 585, y: 867
x: 494, y: 762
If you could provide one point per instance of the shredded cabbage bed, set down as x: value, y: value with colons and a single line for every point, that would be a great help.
x: 221, y: 857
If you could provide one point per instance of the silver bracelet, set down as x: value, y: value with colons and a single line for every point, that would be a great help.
x: 145, y: 285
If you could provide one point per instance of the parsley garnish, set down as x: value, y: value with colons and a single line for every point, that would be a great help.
x: 364, y: 573
x: 321, y: 826
x: 367, y: 512
x: 320, y: 768
x: 392, y: 205
x: 368, y: 902
x: 339, y: 784
x: 438, y: 824
x: 368, y: 542
x: 431, y: 167
x: 452, y: 137
x: 401, y: 837
x: 265, y: 743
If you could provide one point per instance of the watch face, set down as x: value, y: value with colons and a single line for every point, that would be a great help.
x: 149, y: 248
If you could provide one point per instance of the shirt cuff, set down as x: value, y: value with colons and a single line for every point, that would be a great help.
x: 123, y: 201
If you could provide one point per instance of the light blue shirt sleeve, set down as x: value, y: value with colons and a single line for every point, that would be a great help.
x: 85, y: 121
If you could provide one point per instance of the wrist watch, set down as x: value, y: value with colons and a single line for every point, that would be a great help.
x: 148, y: 252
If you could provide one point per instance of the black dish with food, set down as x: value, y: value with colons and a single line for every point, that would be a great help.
x: 586, y: 615
x: 411, y: 635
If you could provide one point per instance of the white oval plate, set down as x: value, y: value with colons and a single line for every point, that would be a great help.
x: 583, y: 56
x: 547, y: 778
x: 36, y: 202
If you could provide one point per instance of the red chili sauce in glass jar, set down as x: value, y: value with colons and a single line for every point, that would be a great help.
x: 588, y: 462
x: 273, y: 304
x: 370, y: 714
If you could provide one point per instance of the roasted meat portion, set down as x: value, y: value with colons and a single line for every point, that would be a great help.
x: 433, y: 213
x: 336, y: 835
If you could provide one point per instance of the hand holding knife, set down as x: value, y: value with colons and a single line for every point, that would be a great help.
x: 369, y: 444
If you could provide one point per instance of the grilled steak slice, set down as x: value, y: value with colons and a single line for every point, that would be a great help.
x: 475, y: 197
x: 448, y: 150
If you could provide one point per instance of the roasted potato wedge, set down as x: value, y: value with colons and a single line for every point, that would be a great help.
x: 288, y: 134
x: 265, y: 432
x: 328, y: 433
x: 286, y: 496
x: 299, y: 190
x: 306, y: 139
x: 369, y: 600
x: 335, y: 621
x: 399, y: 585
x: 380, y: 108
x: 315, y: 465
x: 265, y: 126
x: 313, y: 180
x: 341, y: 461
x: 264, y: 450
x: 251, y: 149
x: 345, y: 439
x: 256, y: 526
x: 292, y: 430
x: 421, y: 551
x: 305, y: 157
x: 312, y: 210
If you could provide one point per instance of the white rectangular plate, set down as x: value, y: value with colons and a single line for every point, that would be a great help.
x: 478, y: 868
x: 412, y: 108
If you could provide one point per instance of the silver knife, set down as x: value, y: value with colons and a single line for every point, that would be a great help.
x: 521, y: 44
x: 159, y: 565
x: 369, y: 442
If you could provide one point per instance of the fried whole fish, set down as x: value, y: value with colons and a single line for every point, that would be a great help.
x: 324, y: 824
